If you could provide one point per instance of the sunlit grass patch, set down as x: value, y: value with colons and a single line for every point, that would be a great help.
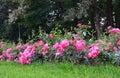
x: 57, y: 70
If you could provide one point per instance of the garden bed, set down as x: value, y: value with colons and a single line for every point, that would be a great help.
x: 73, y: 48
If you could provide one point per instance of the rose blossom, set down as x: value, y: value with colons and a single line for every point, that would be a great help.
x: 93, y: 52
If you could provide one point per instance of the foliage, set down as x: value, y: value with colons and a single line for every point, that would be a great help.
x: 66, y: 48
x: 23, y: 16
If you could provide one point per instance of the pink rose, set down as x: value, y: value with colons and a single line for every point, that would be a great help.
x: 78, y: 25
x: 80, y: 45
x: 64, y: 43
x: 106, y: 48
x: 51, y: 36
x: 93, y: 52
x: 115, y: 48
x: 118, y: 42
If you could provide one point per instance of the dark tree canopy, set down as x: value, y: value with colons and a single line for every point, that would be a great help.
x: 19, y: 18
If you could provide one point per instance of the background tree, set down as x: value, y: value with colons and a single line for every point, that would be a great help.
x: 25, y: 16
x: 109, y: 12
x: 6, y: 7
x: 116, y: 9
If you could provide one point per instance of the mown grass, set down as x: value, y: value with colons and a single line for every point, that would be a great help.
x: 57, y: 70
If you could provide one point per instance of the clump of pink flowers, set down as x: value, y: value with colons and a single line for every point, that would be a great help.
x: 7, y: 55
x: 19, y: 47
x: 112, y: 31
x: 111, y: 47
x: 45, y: 49
x: 1, y: 58
x: 51, y: 36
x: 25, y: 56
x: 118, y: 42
x: 43, y: 46
x: 39, y: 43
x: 78, y: 25
x: 106, y: 49
x: 77, y: 48
x: 60, y: 47
x: 80, y: 45
x: 93, y: 52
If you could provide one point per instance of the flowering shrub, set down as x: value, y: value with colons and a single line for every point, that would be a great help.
x: 93, y: 52
x: 60, y: 47
x: 69, y: 47
x: 25, y: 56
x: 113, y: 31
x: 118, y: 42
x: 80, y: 45
x: 7, y: 55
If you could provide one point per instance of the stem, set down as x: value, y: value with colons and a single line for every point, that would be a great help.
x: 19, y: 35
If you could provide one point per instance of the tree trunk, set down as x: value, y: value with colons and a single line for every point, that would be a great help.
x: 109, y: 13
x: 97, y: 18
x: 97, y: 23
x: 117, y: 13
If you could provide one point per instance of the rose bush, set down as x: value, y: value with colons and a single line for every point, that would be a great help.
x: 70, y: 47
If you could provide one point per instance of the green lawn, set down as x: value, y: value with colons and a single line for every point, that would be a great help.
x: 57, y: 70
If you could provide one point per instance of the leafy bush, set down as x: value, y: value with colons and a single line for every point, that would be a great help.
x: 67, y: 47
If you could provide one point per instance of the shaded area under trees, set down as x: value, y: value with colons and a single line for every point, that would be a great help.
x: 19, y: 18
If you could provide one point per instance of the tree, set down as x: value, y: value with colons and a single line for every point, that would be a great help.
x: 109, y: 12
x: 6, y: 6
x: 116, y: 9
x: 24, y: 16
x: 97, y: 18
